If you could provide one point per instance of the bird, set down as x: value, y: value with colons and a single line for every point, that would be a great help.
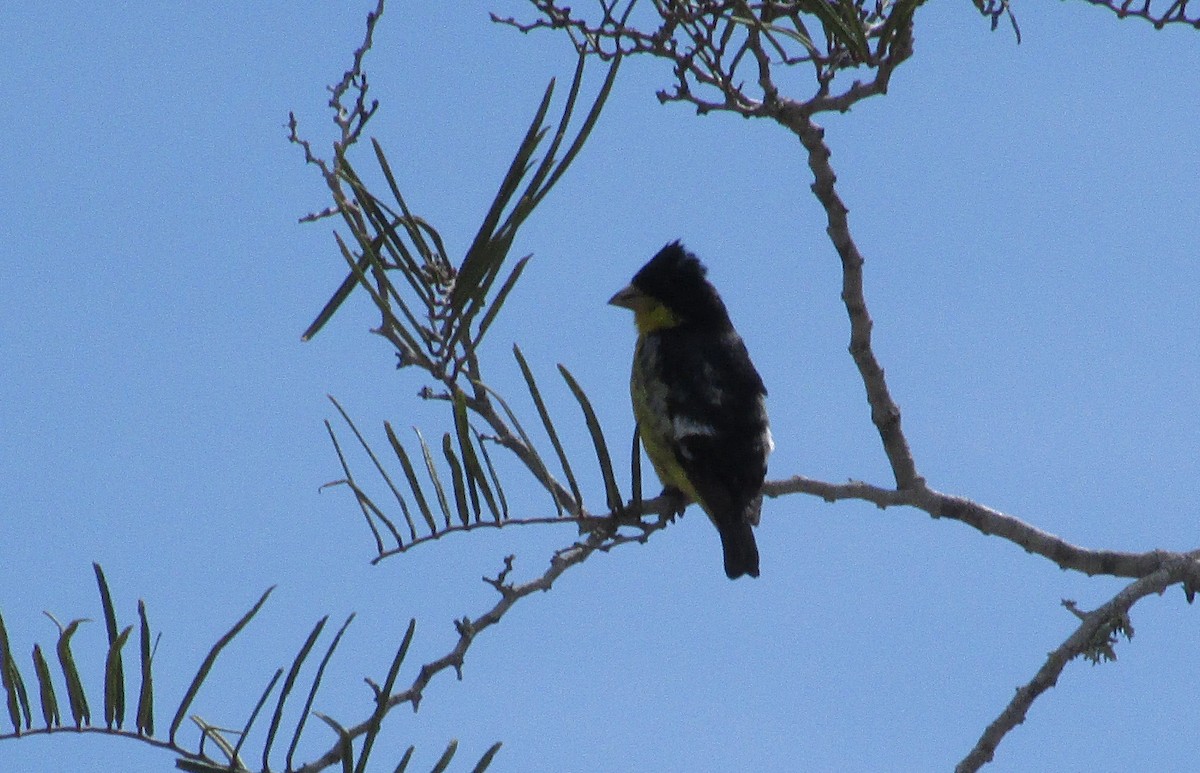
x: 699, y: 403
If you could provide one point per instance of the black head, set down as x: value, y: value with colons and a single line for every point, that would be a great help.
x: 675, y: 278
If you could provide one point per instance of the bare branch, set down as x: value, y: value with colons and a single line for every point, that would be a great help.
x: 987, y: 521
x: 602, y: 540
x: 1097, y: 628
x: 885, y: 414
x: 722, y: 52
x: 1176, y: 12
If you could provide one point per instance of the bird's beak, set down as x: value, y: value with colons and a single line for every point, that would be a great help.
x: 627, y: 297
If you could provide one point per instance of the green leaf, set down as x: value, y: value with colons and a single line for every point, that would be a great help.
x: 382, y: 472
x: 612, y: 492
x: 14, y: 686
x: 403, y: 765
x: 498, y: 301
x: 476, y: 477
x: 409, y: 221
x: 114, y: 681
x: 245, y: 732
x: 635, y: 464
x: 842, y: 22
x: 145, y: 710
x: 345, y: 742
x: 114, y: 674
x: 364, y: 502
x: 469, y: 461
x: 487, y: 758
x: 381, y: 700
x: 76, y: 697
x: 589, y: 122
x: 456, y: 477
x: 413, y: 484
x: 444, y: 761
x: 487, y: 461
x: 46, y: 689
x: 433, y: 476
x: 480, y: 260
x: 798, y: 35
x: 312, y: 692
x: 577, y: 505
x: 537, y: 466
x: 209, y: 660
x: 288, y: 683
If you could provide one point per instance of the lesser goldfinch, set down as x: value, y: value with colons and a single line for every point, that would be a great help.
x: 699, y: 403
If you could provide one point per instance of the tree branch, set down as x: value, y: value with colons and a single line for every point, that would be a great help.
x: 1176, y: 12
x: 602, y: 540
x: 1097, y: 630
x: 885, y: 414
x: 987, y: 521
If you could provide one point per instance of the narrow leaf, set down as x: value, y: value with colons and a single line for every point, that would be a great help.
x: 498, y: 301
x: 345, y: 742
x: 114, y: 681
x: 382, y: 472
x: 209, y: 660
x: 413, y: 484
x: 462, y: 434
x: 371, y: 230
x: 45, y: 689
x: 487, y: 461
x: 245, y: 733
x: 447, y: 755
x: 799, y: 35
x: 585, y: 130
x: 635, y: 471
x: 477, y: 261
x: 76, y: 697
x: 537, y: 466
x: 403, y: 766
x: 456, y: 477
x: 359, y: 495
x: 409, y: 221
x: 16, y: 697
x: 358, y: 267
x: 487, y: 758
x: 383, y: 224
x: 433, y: 476
x: 843, y: 25
x: 288, y: 683
x: 334, y: 303
x: 613, y: 493
x: 548, y: 160
x: 476, y: 477
x: 115, y: 670
x: 577, y: 505
x: 381, y: 700
x: 312, y: 692
x: 145, y: 709
x: 212, y: 731
x: 408, y: 334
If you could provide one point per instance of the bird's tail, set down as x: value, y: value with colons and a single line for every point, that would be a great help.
x: 741, y: 551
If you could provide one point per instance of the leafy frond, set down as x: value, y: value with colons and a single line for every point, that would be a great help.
x: 438, y: 311
x: 218, y: 747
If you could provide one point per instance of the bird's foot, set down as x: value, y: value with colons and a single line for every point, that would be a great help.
x: 677, y: 502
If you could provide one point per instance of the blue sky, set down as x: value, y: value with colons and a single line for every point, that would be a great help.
x: 1029, y: 217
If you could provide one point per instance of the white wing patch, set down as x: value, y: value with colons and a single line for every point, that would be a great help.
x: 768, y: 440
x: 684, y: 426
